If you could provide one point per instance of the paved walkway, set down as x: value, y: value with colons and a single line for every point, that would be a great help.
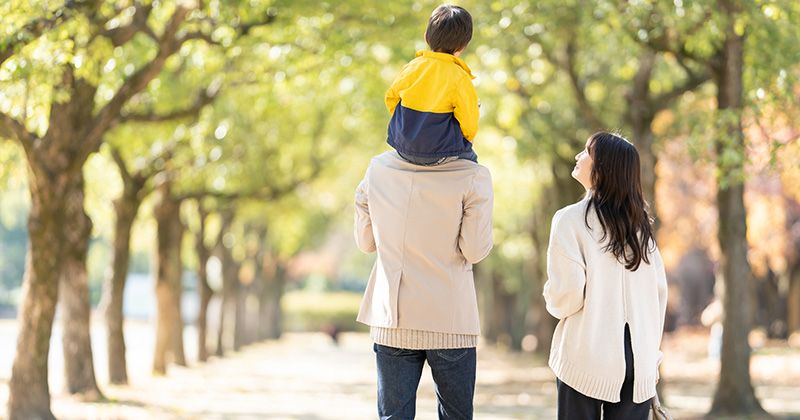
x: 306, y: 376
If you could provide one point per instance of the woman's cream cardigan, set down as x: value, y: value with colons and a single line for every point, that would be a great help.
x: 594, y: 296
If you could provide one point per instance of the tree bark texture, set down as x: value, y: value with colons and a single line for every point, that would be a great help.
x: 55, y: 160
x: 53, y: 178
x: 74, y: 297
x: 640, y: 117
x: 793, y: 271
x: 734, y: 393
x: 793, y: 301
x: 203, y: 255
x: 29, y: 395
x: 240, y: 324
x: 169, y: 328
x: 230, y: 281
x: 260, y: 261
x: 125, y: 208
x: 271, y: 314
x: 563, y: 191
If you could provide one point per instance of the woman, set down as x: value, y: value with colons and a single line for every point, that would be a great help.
x: 606, y: 285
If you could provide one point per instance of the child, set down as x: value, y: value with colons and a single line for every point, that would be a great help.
x: 433, y: 102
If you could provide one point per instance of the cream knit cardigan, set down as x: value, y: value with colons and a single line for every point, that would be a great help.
x: 593, y: 296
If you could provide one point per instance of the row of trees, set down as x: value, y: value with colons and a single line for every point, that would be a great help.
x: 562, y: 70
x: 243, y: 121
x: 211, y: 109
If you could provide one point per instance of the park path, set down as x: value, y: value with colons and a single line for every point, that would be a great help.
x: 306, y: 376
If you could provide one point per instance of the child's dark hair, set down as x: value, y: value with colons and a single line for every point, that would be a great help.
x: 449, y: 29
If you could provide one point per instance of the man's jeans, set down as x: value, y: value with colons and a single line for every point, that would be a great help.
x: 399, y: 372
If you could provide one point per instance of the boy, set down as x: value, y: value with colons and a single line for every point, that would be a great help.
x: 433, y: 103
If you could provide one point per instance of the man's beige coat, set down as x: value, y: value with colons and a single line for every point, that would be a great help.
x: 429, y: 225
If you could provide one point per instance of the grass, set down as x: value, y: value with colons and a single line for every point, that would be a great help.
x: 318, y: 311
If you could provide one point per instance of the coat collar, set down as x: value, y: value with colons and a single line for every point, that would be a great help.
x: 446, y: 57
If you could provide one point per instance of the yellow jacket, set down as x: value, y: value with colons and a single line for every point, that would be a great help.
x: 434, y: 106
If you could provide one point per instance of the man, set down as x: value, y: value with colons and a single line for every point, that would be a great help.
x: 429, y: 225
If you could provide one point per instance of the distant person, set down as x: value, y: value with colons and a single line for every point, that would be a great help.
x: 433, y: 103
x: 606, y: 284
x: 712, y: 318
x: 426, y: 209
x: 333, y: 331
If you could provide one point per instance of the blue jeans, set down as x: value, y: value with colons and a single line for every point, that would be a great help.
x: 399, y: 372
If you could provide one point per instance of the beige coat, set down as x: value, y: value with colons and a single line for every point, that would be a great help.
x: 429, y: 224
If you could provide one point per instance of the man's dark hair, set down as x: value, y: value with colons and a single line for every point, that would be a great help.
x: 449, y: 29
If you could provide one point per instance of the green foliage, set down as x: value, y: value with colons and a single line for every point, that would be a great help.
x: 300, y: 110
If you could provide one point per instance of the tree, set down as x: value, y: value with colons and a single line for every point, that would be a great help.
x: 169, y: 270
x: 723, y: 47
x: 735, y: 392
x: 77, y: 119
x: 136, y: 185
x: 549, y: 48
x: 206, y: 292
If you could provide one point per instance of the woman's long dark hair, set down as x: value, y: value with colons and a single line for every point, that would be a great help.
x: 618, y: 200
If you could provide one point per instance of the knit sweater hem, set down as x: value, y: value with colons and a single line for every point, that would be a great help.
x: 605, y: 389
x: 421, y: 340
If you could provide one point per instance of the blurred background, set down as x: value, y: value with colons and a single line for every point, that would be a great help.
x: 177, y: 178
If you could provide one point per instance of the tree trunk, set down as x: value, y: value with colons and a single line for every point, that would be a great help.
x: 230, y: 280
x: 640, y: 117
x: 169, y: 328
x: 502, y: 309
x: 125, y: 208
x: 243, y: 290
x: 240, y: 324
x: 271, y: 314
x: 29, y: 395
x: 522, y: 306
x: 54, y: 176
x: 260, y: 261
x: 793, y: 271
x: 544, y: 323
x: 55, y: 161
x: 485, y: 301
x: 203, y: 255
x: 793, y: 301
x: 563, y: 191
x: 734, y: 394
x: 74, y: 297
x: 643, y: 133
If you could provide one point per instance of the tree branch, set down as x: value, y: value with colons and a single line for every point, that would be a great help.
x: 663, y: 43
x: 270, y: 193
x: 577, y: 86
x: 200, y: 36
x: 120, y: 161
x: 109, y: 115
x: 692, y: 82
x: 122, y: 34
x: 12, y: 129
x: 168, y: 43
x: 640, y: 109
x: 242, y: 29
x: 205, y: 97
x: 37, y: 27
